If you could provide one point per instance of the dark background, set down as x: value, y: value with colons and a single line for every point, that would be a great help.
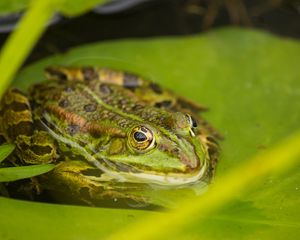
x: 147, y: 18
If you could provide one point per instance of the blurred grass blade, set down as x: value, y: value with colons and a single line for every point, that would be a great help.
x: 225, y: 189
x: 5, y: 151
x: 16, y: 173
x: 23, y: 39
x: 29, y: 30
x: 67, y: 7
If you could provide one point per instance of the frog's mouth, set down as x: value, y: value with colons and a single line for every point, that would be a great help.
x: 117, y: 172
x: 169, y: 179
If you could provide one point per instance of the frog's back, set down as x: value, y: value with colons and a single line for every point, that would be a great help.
x: 96, y: 102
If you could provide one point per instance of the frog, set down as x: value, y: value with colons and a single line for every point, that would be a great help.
x: 109, y: 134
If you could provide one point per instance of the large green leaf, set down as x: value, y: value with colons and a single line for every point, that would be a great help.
x: 24, y: 220
x: 250, y: 82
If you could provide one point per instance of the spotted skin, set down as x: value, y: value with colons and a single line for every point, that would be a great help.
x: 33, y: 146
x: 86, y: 113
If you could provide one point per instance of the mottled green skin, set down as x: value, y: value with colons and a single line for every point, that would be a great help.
x: 84, y: 120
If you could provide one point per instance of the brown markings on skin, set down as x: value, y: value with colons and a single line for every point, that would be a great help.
x: 41, y: 150
x: 73, y: 129
x: 17, y: 106
x: 212, y: 139
x: 131, y: 80
x: 14, y: 95
x: 42, y: 87
x: 14, y: 118
x: 212, y: 150
x: 137, y: 107
x: 91, y: 172
x: 90, y: 107
x: 53, y: 73
x: 63, y: 103
x: 105, y: 89
x: 41, y: 93
x: 164, y: 104
x: 89, y: 73
x: 64, y: 73
x: 16, y: 114
x: 21, y: 128
x: 84, y: 125
x: 156, y: 88
x: 105, y: 75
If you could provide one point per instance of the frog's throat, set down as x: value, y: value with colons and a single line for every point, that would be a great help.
x: 167, y: 179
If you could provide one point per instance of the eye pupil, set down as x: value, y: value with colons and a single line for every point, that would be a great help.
x: 139, y: 136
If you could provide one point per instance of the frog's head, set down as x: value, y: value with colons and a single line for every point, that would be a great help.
x: 169, y: 153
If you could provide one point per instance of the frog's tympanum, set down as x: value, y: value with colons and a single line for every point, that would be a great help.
x: 107, y: 131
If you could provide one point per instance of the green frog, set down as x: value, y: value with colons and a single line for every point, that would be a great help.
x: 109, y: 133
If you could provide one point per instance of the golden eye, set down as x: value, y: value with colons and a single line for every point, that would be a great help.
x: 141, y: 138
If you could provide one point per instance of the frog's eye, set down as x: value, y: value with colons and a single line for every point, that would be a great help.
x: 193, y: 124
x: 141, y: 138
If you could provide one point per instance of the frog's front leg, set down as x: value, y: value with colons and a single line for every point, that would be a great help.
x: 33, y: 145
x: 77, y: 180
x: 38, y: 148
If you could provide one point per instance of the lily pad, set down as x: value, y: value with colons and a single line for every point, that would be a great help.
x: 250, y: 82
